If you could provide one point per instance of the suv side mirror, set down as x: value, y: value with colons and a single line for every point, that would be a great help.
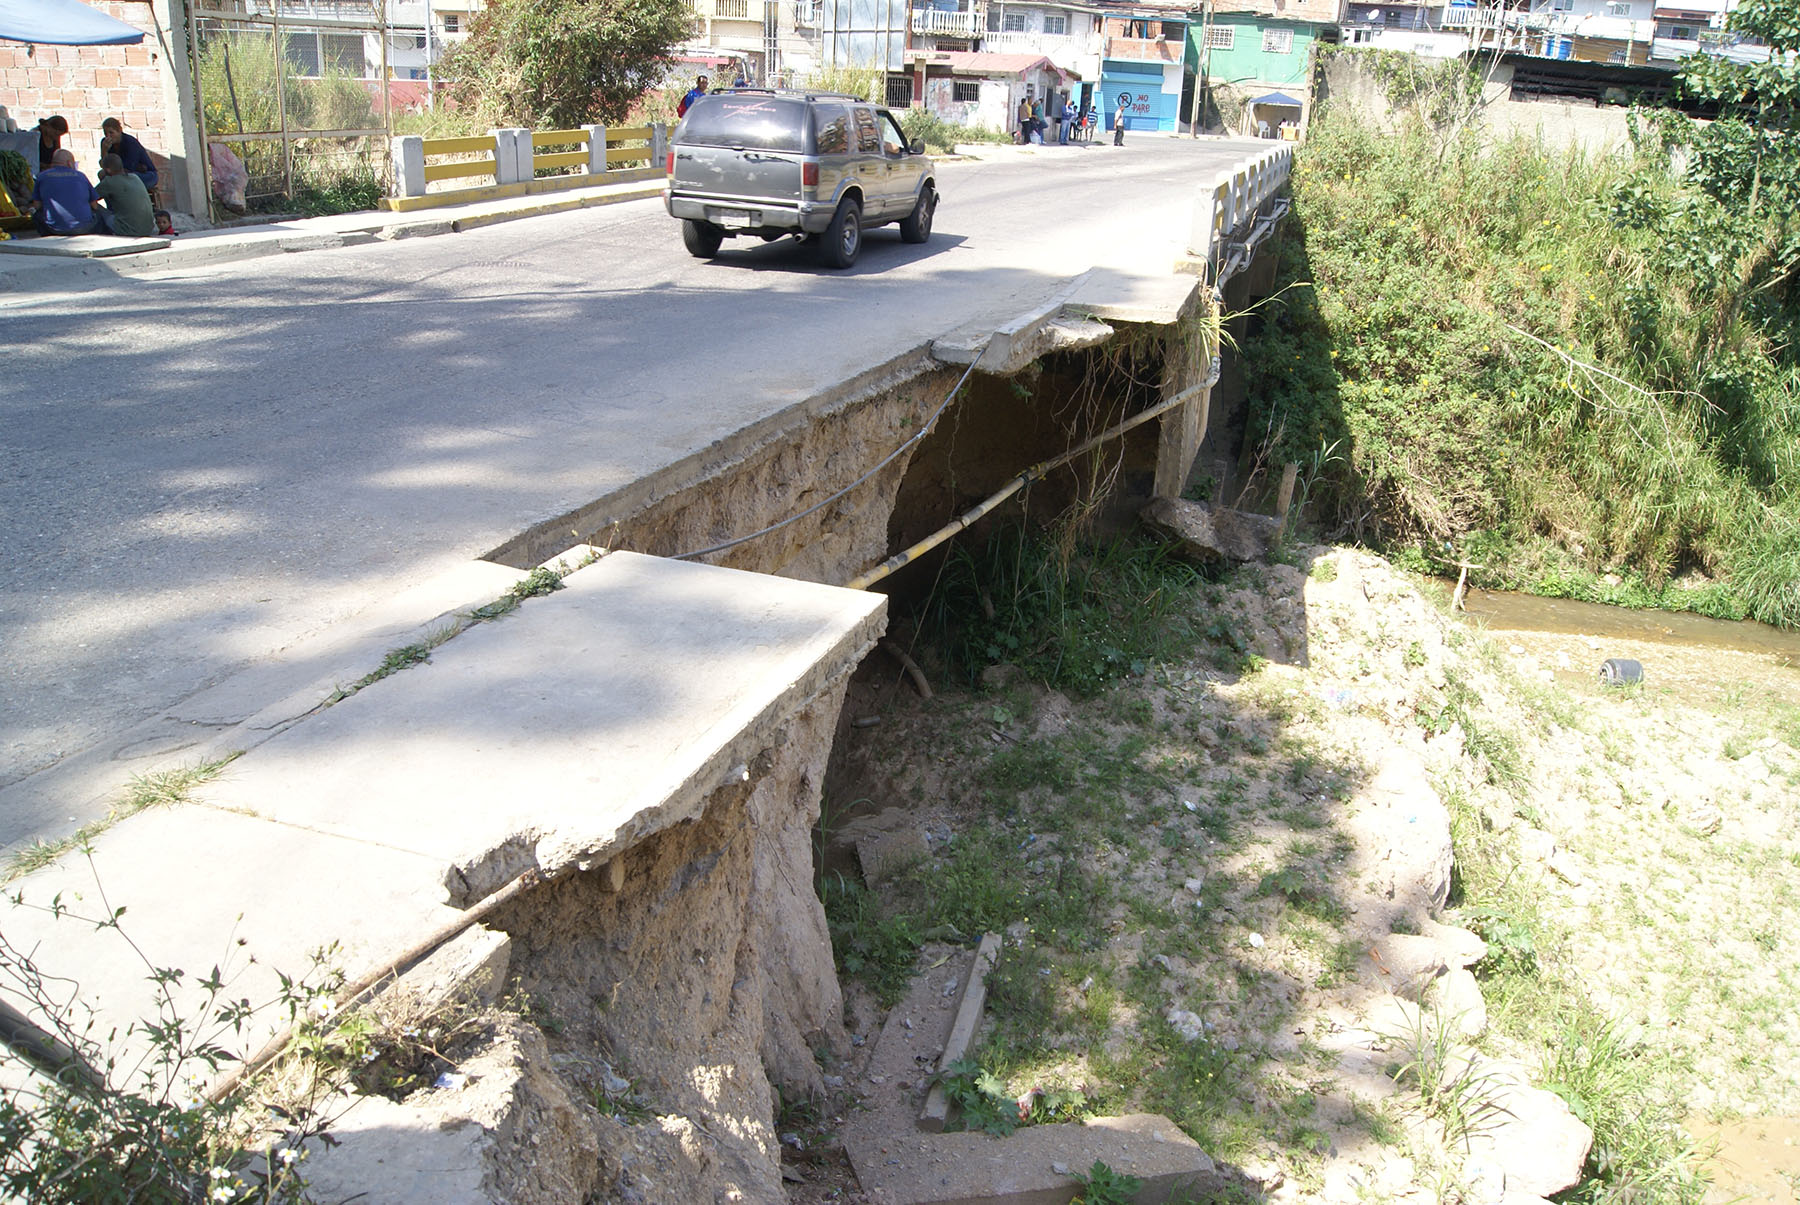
x: 917, y: 147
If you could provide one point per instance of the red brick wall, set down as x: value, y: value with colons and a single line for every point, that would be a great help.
x: 87, y: 84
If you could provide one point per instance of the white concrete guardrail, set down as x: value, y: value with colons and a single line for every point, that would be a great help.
x: 1236, y: 198
x: 505, y: 162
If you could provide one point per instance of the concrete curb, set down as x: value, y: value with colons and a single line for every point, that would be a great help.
x: 22, y: 270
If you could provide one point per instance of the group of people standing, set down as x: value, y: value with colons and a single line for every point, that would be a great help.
x: 1072, y: 124
x: 64, y: 201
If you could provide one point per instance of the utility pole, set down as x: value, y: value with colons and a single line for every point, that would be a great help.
x: 1205, y: 62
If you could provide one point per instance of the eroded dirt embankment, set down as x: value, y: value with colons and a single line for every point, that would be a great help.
x: 1211, y: 874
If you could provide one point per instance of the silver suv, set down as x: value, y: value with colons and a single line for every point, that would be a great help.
x: 770, y: 162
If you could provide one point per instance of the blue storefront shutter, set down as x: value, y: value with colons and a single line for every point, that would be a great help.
x: 1151, y: 108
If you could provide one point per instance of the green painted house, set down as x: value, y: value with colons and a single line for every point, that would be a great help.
x: 1252, y: 49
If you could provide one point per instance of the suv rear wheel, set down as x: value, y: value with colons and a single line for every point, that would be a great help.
x: 915, y: 227
x: 843, y: 239
x: 701, y: 238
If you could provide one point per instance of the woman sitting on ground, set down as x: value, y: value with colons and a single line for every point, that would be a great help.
x: 51, y: 132
x: 115, y: 141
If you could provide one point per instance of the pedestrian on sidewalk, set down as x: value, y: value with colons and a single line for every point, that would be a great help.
x: 1024, y: 120
x: 1066, y: 122
x: 1090, y: 123
x: 129, y: 213
x: 1037, y: 122
x: 693, y: 94
x: 63, y: 201
x: 1119, y: 121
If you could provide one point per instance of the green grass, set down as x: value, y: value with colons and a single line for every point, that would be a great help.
x: 1579, y: 371
x: 158, y: 788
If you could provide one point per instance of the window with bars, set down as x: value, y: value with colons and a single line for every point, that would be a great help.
x: 1056, y: 24
x: 965, y: 91
x: 1221, y: 37
x: 452, y: 23
x: 899, y: 91
x: 1278, y: 41
x: 1013, y: 22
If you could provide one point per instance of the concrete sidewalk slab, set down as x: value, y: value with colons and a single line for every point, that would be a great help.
x: 580, y: 724
x: 615, y: 706
x: 23, y: 266
x: 247, y: 708
x: 82, y: 246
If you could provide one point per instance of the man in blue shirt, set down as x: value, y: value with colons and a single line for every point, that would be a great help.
x: 693, y: 94
x: 63, y: 201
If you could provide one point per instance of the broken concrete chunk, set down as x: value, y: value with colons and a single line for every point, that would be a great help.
x: 1211, y: 534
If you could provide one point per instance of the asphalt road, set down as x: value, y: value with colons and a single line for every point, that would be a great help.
x: 198, y: 469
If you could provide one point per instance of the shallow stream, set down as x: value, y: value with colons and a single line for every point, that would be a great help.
x: 1529, y: 613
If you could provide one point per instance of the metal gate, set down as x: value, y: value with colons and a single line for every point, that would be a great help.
x: 298, y: 93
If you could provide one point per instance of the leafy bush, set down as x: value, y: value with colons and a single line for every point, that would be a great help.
x: 559, y: 64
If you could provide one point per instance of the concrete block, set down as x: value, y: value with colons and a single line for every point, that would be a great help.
x: 962, y: 1029
x: 506, y: 156
x: 596, y: 150
x: 975, y: 1169
x: 409, y: 166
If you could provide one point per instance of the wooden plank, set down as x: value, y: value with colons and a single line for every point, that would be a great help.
x: 558, y: 137
x: 626, y: 154
x: 456, y: 171
x: 460, y: 146
x: 561, y: 159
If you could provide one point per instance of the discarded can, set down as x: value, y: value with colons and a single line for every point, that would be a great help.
x: 1619, y: 671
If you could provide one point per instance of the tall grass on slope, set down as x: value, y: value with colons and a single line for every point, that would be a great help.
x: 1572, y: 363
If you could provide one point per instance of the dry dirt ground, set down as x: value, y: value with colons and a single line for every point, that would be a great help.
x: 1214, y: 877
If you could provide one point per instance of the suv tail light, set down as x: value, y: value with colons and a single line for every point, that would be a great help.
x: 669, y: 164
x: 809, y: 175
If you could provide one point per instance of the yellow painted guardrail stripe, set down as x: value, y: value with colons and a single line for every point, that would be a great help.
x: 642, y: 132
x: 553, y: 137
x: 561, y: 159
x: 459, y: 146
x: 455, y: 171
x: 626, y: 154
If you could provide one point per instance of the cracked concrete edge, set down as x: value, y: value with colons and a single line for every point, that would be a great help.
x: 750, y: 734
x: 183, y: 734
x: 716, y: 459
x: 962, y: 1030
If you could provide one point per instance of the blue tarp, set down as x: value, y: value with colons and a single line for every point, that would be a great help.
x: 1273, y: 98
x: 63, y: 23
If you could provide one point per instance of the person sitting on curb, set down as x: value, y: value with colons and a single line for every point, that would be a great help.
x: 129, y: 213
x: 115, y: 141
x: 63, y: 201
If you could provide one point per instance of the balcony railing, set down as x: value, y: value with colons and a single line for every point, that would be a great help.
x: 1057, y: 46
x: 947, y: 24
x: 806, y: 14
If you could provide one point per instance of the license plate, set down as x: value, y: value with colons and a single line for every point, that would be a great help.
x: 737, y: 219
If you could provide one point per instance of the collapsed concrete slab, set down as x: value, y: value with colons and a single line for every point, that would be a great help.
x: 636, y: 758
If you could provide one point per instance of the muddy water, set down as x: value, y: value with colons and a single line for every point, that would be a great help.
x: 1756, y: 1160
x: 1704, y: 662
x: 1562, y: 616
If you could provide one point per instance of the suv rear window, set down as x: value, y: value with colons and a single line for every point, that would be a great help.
x: 764, y: 122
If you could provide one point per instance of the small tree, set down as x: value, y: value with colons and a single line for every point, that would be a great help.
x: 1752, y: 153
x: 564, y: 63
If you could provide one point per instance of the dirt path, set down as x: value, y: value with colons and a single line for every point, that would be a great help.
x: 1226, y: 887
